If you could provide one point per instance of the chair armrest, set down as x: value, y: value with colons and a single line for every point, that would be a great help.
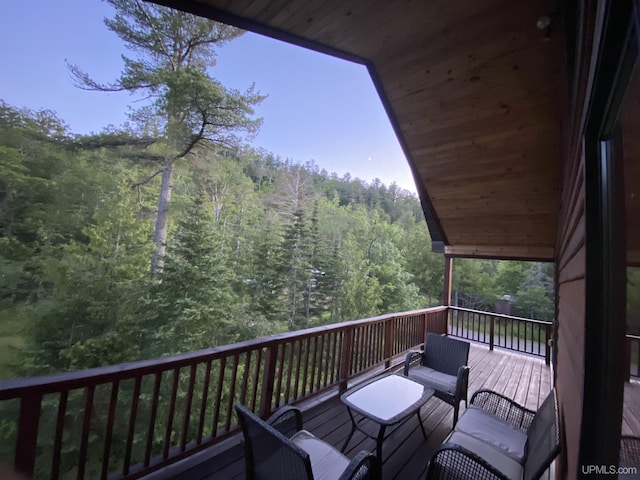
x: 451, y: 461
x: 503, y: 408
x: 411, y: 356
x: 287, y: 420
x: 364, y: 465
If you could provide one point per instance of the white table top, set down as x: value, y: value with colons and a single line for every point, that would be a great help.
x: 388, y: 399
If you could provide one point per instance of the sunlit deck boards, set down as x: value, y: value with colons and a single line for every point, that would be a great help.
x: 405, y: 453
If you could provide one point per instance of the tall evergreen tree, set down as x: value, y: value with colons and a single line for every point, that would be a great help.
x: 194, y: 305
x: 173, y: 51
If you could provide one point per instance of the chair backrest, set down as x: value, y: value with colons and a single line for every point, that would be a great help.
x: 268, y: 453
x: 444, y: 353
x: 629, y: 451
x: 543, y: 438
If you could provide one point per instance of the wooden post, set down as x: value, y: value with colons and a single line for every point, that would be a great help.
x: 345, y: 358
x: 389, y: 325
x: 27, y: 438
x: 547, y: 345
x: 446, y: 291
x: 491, y: 331
x: 268, y: 380
x: 448, y: 271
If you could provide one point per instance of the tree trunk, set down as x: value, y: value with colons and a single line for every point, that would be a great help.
x: 162, y: 218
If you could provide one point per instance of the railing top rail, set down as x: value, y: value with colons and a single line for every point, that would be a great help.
x: 42, y: 385
x: 501, y: 315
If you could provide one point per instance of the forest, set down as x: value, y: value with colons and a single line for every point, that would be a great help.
x: 174, y: 232
x: 256, y: 245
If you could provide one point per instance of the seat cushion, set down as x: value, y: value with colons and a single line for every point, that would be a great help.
x: 487, y: 427
x: 326, y: 462
x: 434, y: 379
x: 493, y: 456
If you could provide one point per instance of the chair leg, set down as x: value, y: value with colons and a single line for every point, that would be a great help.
x: 455, y: 414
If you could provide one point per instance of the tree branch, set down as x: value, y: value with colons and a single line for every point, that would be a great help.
x: 148, y: 179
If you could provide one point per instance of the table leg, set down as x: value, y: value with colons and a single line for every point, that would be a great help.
x: 379, y: 443
x: 421, y: 426
x: 353, y: 429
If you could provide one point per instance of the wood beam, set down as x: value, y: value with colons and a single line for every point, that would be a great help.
x: 545, y: 254
x: 448, y: 275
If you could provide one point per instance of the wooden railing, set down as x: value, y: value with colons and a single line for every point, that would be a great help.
x: 128, y: 420
x: 514, y: 333
x: 632, y: 355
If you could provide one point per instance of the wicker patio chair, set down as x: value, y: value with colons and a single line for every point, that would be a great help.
x: 443, y: 367
x: 497, y: 438
x: 629, y: 451
x: 279, y: 448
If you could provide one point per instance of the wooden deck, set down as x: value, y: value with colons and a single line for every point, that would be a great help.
x: 406, y: 453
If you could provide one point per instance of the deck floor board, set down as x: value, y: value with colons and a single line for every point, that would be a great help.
x: 406, y: 453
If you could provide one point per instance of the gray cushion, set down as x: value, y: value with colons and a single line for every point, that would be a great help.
x: 434, y: 379
x: 494, y: 457
x: 326, y: 462
x: 487, y: 427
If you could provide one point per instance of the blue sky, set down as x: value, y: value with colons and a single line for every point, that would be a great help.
x: 318, y: 107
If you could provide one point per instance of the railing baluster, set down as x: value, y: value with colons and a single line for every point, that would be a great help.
x: 334, y: 349
x: 172, y: 409
x: 319, y: 362
x: 345, y: 358
x: 492, y: 327
x: 245, y: 378
x: 132, y: 424
x: 109, y: 433
x: 86, y: 426
x: 298, y: 360
x: 152, y: 418
x: 305, y: 362
x: 256, y: 381
x: 268, y: 379
x: 27, y: 438
x: 232, y: 392
x: 327, y: 359
x: 57, y: 443
x: 218, y: 400
x: 313, y: 364
x: 187, y: 407
x: 280, y: 367
x: 289, y: 372
x: 203, y: 403
x: 388, y: 341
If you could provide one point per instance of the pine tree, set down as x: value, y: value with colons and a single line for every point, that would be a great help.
x: 174, y: 50
x: 194, y: 305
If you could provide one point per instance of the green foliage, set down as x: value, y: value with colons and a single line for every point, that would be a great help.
x: 534, y: 302
x: 193, y: 304
x: 256, y: 245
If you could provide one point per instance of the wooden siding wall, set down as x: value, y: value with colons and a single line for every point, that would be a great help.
x: 571, y: 309
x: 571, y: 245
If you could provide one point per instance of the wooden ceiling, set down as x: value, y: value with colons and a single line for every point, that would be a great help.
x: 473, y: 89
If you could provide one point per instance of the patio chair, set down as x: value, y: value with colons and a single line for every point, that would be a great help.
x: 279, y: 448
x: 629, y: 451
x: 443, y: 367
x: 497, y: 438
